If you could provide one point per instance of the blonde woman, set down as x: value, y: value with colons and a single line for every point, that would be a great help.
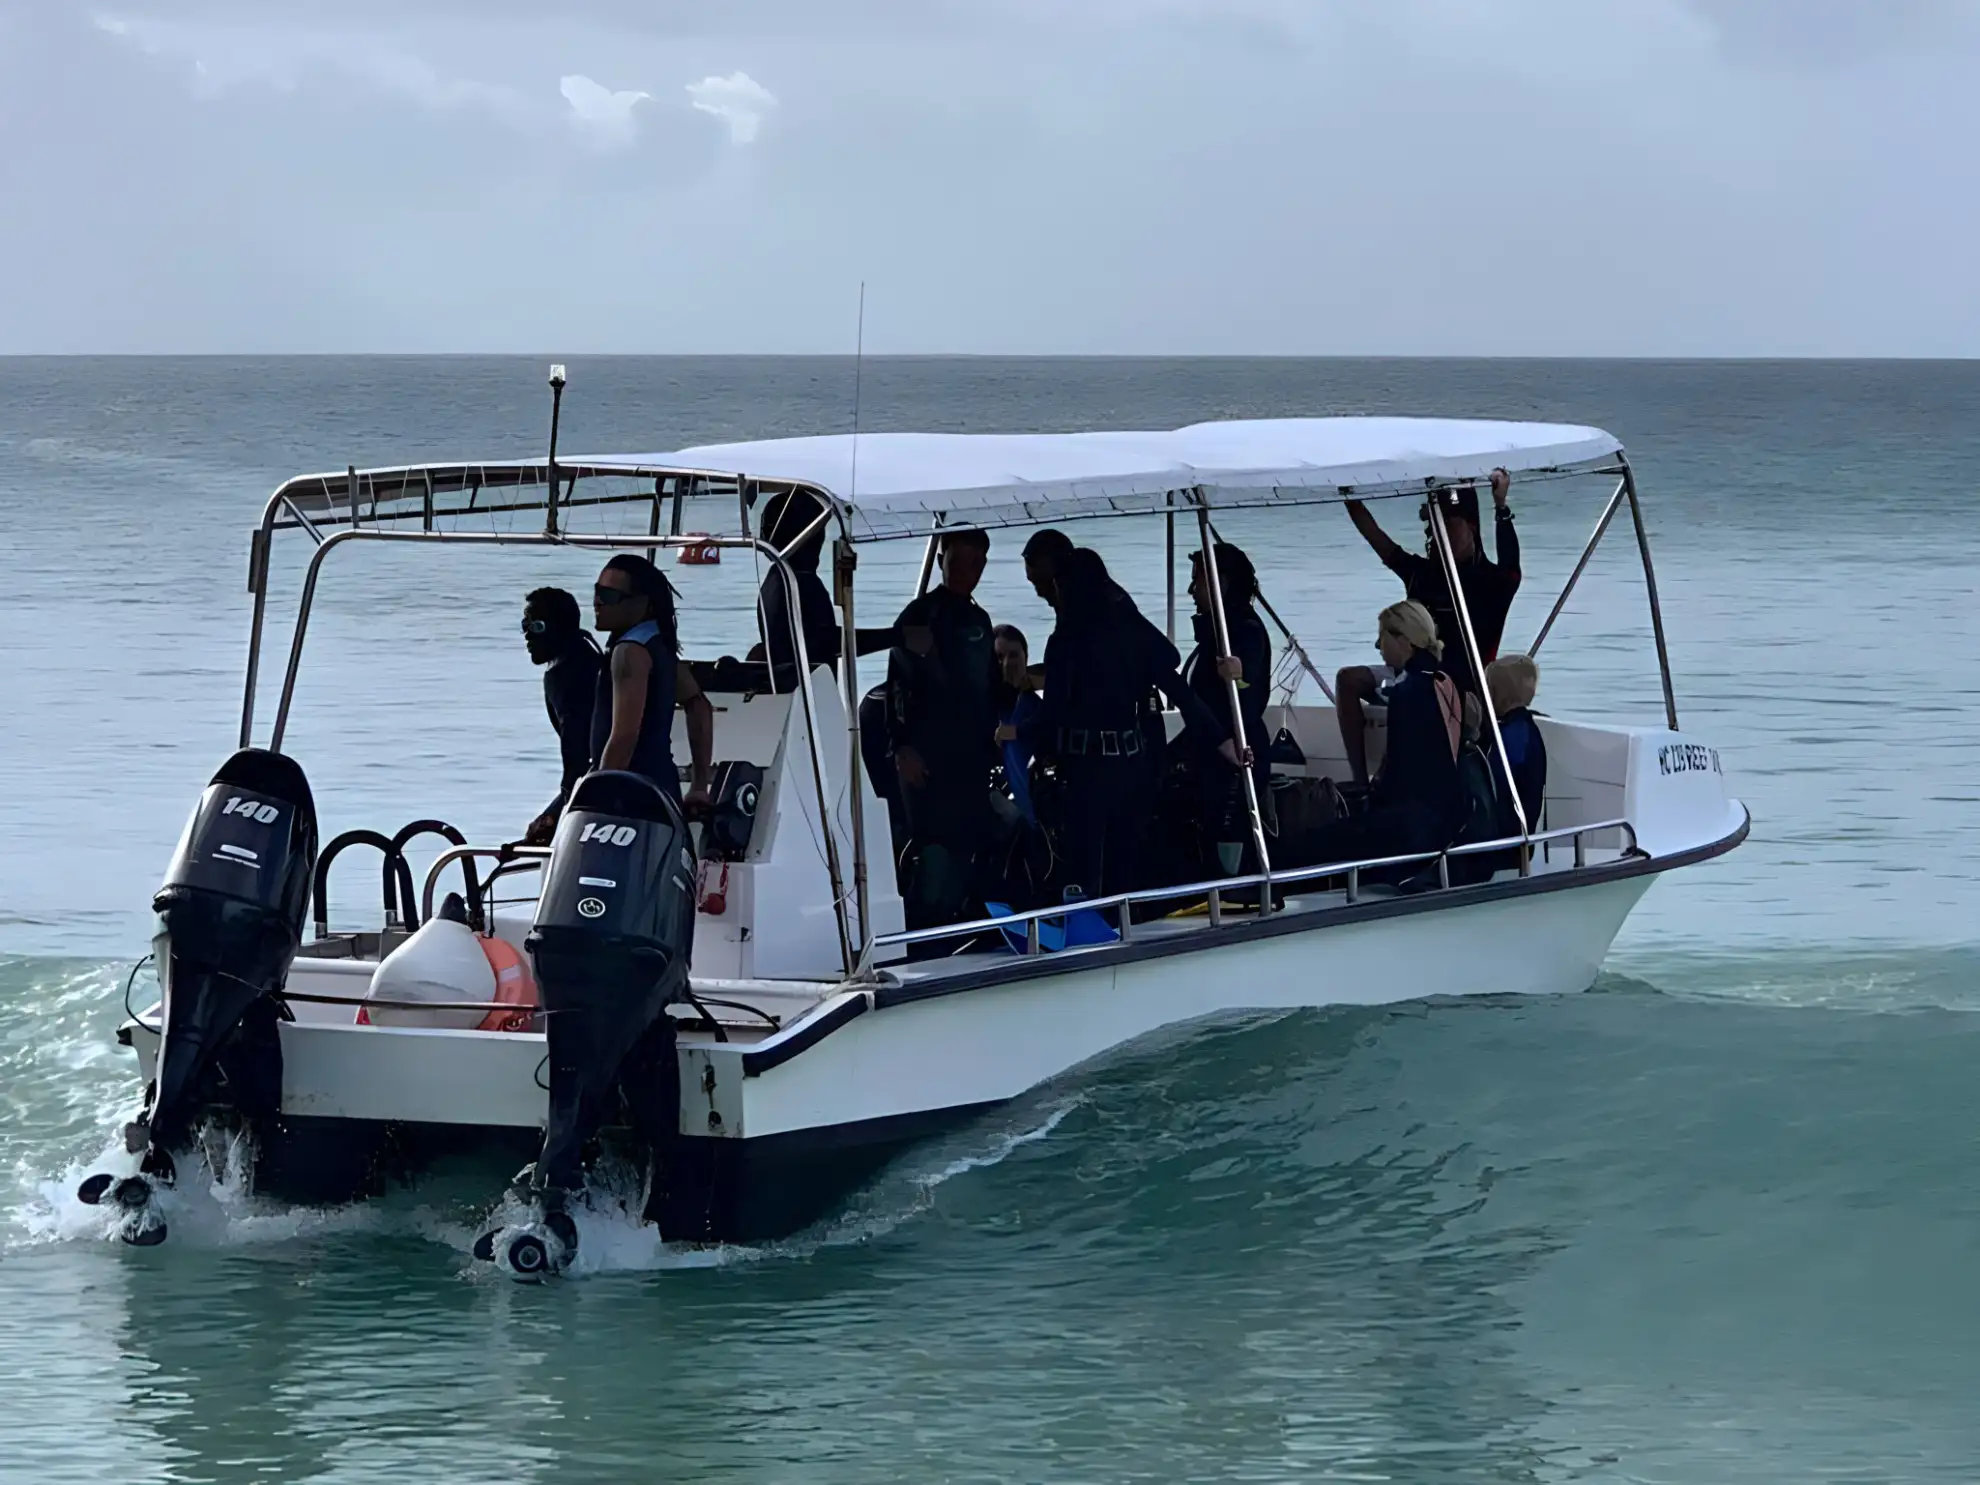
x: 1417, y: 801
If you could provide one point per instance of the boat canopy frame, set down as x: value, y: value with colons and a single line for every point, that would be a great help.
x: 413, y: 504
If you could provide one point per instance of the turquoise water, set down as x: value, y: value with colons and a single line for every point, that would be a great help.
x: 1715, y: 1221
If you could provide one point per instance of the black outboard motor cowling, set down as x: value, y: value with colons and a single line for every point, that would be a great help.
x: 613, y: 934
x: 230, y: 920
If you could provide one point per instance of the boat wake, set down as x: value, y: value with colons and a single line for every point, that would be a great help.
x: 448, y: 1208
x: 613, y: 1240
x: 64, y: 1097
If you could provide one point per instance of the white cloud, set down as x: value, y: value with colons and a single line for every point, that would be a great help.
x: 738, y: 100
x: 225, y: 56
x: 605, y: 117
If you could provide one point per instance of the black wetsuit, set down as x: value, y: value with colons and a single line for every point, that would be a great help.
x: 1222, y: 811
x: 1099, y: 671
x: 653, y: 750
x: 820, y: 620
x: 570, y: 690
x: 942, y: 705
x: 1488, y: 593
x: 1417, y: 802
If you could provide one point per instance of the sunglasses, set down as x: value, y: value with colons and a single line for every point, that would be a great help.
x: 535, y: 626
x: 606, y: 597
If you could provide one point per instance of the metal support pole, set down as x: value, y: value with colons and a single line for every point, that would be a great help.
x: 1601, y: 529
x: 1291, y: 639
x: 653, y: 526
x: 580, y: 540
x: 1169, y: 561
x: 805, y: 535
x: 928, y: 559
x: 1656, y: 610
x: 260, y: 547
x: 550, y: 472
x: 303, y: 607
x: 762, y: 619
x: 1298, y: 649
x: 817, y: 762
x: 1470, y: 638
x: 1231, y: 692
x: 844, y: 559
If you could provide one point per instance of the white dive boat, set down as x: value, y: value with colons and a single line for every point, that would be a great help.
x: 808, y: 1043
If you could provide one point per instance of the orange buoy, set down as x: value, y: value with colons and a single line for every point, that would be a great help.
x: 514, y: 985
x: 701, y: 552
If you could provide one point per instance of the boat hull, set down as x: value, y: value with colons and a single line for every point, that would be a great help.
x: 775, y: 1132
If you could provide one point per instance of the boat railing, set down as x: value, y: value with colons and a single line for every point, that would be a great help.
x: 1215, y: 891
x: 518, y: 858
x: 507, y: 858
x: 491, y: 902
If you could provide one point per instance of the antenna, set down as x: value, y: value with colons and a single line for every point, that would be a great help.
x: 859, y: 367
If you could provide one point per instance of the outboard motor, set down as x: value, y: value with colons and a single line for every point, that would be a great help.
x: 613, y: 933
x: 230, y: 920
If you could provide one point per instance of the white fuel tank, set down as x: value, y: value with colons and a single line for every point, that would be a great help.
x: 443, y: 961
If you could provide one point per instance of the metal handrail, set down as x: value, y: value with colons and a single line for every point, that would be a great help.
x: 778, y: 558
x: 1214, y: 889
x: 1580, y: 566
x: 510, y: 868
x: 1454, y: 584
x: 463, y: 853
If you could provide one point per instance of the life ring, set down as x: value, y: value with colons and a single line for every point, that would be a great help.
x: 514, y: 985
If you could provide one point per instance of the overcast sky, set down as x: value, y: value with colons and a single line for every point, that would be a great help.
x: 1499, y: 177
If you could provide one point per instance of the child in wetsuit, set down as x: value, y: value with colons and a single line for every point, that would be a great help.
x: 1512, y: 681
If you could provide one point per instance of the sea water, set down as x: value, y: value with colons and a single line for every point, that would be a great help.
x: 1715, y: 1220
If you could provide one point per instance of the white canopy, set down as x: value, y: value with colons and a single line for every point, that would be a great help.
x: 894, y: 484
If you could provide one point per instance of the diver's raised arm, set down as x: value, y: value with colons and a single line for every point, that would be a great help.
x: 1385, y: 545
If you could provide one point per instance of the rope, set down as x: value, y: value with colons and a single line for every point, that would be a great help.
x: 129, y: 1014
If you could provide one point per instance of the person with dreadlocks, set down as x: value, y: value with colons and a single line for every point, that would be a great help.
x: 553, y: 632
x: 643, y: 679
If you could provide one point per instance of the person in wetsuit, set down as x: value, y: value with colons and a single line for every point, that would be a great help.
x: 1512, y: 682
x: 643, y: 678
x: 785, y: 518
x: 1101, y: 663
x: 1044, y: 550
x: 553, y: 632
x: 940, y: 719
x: 1043, y: 553
x: 1222, y: 812
x: 1488, y: 593
x: 1016, y: 700
x: 1417, y: 802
